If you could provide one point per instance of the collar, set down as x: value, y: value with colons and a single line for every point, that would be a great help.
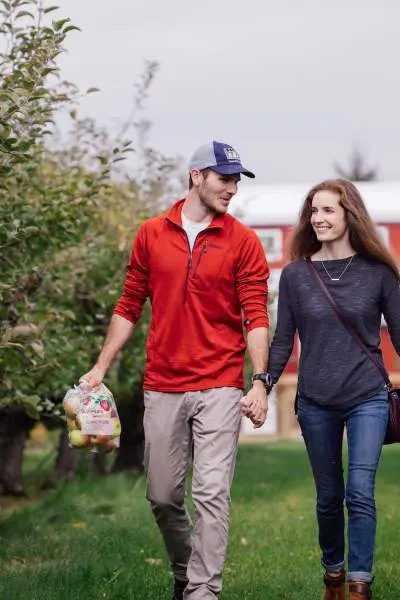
x: 174, y: 215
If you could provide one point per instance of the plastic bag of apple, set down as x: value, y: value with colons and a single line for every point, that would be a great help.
x: 92, y: 418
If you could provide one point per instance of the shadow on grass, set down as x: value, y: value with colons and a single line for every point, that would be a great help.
x: 283, y: 468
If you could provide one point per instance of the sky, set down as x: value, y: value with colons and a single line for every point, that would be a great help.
x: 293, y: 85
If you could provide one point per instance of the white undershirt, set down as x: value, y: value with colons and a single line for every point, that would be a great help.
x: 192, y: 229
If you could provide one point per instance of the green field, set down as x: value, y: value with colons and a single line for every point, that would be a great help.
x: 95, y: 539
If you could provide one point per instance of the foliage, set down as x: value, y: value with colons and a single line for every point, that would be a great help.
x: 61, y: 215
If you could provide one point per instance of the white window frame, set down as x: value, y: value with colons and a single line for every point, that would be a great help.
x: 272, y: 241
x: 383, y: 231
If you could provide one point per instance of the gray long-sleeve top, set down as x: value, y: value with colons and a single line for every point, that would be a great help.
x: 333, y: 370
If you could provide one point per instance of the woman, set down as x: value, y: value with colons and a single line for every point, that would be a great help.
x: 339, y: 386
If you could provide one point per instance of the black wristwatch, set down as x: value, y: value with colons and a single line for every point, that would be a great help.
x: 265, y: 378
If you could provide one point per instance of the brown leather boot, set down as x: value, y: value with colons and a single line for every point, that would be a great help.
x: 334, y: 587
x: 360, y: 590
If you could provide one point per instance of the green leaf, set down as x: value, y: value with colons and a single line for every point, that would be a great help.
x: 41, y: 91
x: 92, y: 89
x: 32, y: 411
x: 71, y: 28
x: 47, y: 71
x: 24, y: 146
x: 50, y: 9
x: 24, y: 13
x: 69, y: 314
x: 58, y: 25
x: 31, y: 229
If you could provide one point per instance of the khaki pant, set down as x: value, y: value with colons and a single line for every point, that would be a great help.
x: 204, y: 427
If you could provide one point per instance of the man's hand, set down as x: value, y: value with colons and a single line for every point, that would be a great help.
x: 92, y: 378
x: 255, y: 404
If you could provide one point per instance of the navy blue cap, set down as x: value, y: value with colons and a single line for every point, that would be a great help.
x: 219, y: 157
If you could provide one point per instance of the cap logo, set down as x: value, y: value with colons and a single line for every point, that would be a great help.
x: 231, y: 154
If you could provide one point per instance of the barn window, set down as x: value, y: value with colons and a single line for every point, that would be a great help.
x: 272, y: 241
x: 384, y: 233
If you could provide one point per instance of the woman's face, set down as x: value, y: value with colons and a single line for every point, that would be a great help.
x: 328, y: 217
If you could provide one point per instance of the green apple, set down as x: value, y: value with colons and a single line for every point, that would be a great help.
x: 78, y: 440
x: 72, y: 424
x: 117, y: 428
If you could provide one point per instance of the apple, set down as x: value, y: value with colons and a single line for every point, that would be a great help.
x: 101, y: 439
x: 71, y: 404
x: 72, y: 424
x: 110, y: 446
x: 78, y: 440
x: 117, y: 428
x: 104, y: 447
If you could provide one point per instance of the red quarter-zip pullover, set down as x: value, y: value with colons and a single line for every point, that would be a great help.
x: 200, y: 300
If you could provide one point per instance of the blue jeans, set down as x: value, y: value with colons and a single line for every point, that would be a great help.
x: 322, y: 431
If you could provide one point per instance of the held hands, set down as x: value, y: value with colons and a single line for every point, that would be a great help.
x: 92, y: 378
x: 255, y: 404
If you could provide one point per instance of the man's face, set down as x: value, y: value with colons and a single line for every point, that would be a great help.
x: 215, y: 191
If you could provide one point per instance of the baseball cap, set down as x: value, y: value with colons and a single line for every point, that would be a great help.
x: 219, y: 157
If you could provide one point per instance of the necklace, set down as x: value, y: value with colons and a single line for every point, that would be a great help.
x: 342, y: 273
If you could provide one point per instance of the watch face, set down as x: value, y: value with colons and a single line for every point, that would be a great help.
x: 264, y: 377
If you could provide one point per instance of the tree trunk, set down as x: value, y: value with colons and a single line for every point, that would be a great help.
x: 131, y: 451
x: 14, y: 428
x: 66, y: 462
x: 99, y: 465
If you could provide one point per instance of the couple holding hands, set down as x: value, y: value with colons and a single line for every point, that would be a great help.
x: 206, y: 276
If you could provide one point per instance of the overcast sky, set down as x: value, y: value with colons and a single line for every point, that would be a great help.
x: 292, y: 84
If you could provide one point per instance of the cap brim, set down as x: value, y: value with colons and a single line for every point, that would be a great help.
x: 232, y: 170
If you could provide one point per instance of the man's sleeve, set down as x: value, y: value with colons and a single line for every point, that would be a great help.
x: 136, y: 286
x: 252, y: 273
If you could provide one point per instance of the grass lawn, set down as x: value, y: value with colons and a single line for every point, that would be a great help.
x: 95, y: 539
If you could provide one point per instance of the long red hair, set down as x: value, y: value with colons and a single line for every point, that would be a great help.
x: 363, y: 234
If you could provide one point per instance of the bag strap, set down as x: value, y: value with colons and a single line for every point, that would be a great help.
x: 354, y: 334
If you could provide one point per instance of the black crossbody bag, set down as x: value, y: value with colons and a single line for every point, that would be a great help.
x: 393, y: 427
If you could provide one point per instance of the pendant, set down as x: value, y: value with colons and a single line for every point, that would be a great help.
x: 335, y: 278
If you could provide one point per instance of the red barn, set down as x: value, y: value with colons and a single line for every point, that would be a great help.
x: 272, y: 211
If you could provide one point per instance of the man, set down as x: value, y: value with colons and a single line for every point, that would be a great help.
x: 206, y: 275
